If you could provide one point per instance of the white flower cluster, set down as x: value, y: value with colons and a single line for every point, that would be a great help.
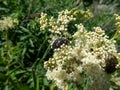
x: 8, y: 23
x: 95, y: 42
x: 91, y: 48
x: 85, y: 55
x: 118, y: 20
x: 63, y: 68
x: 58, y: 28
x: 117, y: 33
x: 43, y: 21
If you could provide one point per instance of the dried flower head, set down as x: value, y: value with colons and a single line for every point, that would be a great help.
x: 110, y: 63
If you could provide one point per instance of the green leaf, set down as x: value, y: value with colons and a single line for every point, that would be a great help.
x: 31, y: 43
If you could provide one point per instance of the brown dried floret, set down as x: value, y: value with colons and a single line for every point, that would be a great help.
x: 110, y: 63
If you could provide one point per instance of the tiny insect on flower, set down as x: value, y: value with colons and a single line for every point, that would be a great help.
x: 58, y: 42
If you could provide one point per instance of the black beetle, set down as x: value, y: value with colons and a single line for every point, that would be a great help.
x: 58, y: 42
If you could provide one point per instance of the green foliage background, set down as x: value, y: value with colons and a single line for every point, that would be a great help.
x: 24, y: 51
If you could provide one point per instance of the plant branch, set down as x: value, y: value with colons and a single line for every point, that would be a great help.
x: 38, y: 13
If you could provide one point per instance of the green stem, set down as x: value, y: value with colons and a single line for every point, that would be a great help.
x: 6, y: 55
x: 30, y: 7
x: 7, y: 46
x: 41, y: 47
x: 116, y: 35
x: 7, y: 58
x: 46, y: 52
x: 35, y: 79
